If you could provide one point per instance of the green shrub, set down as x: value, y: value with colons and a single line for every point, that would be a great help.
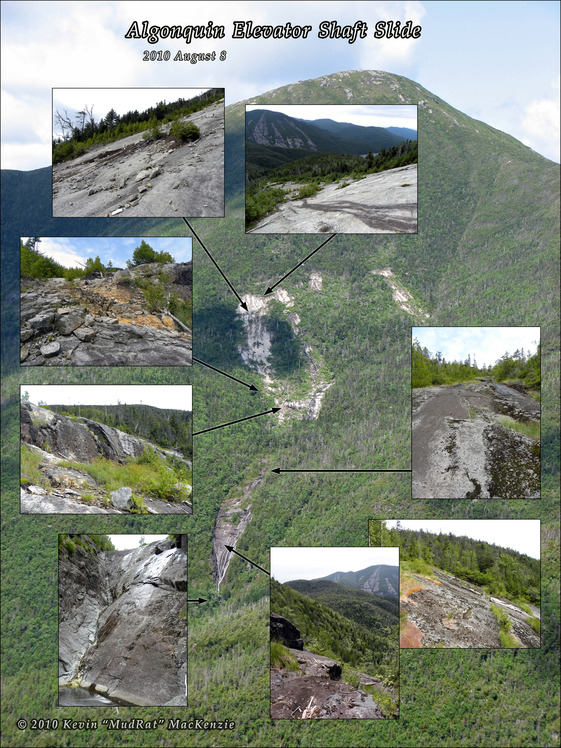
x: 183, y: 131
x: 308, y: 190
x: 281, y: 657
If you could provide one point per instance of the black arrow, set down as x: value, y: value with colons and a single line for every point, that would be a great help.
x: 278, y: 471
x: 245, y: 558
x: 247, y: 418
x: 198, y: 600
x: 252, y: 387
x: 270, y: 288
x: 217, y: 266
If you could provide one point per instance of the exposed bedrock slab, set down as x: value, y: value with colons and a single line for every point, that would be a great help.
x: 106, y: 320
x: 384, y: 203
x: 452, y: 613
x: 122, y: 632
x: 137, y: 177
x: 460, y: 450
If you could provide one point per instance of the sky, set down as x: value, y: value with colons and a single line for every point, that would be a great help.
x: 495, y: 61
x: 124, y: 542
x: 73, y: 252
x: 288, y: 564
x: 365, y: 116
x: 522, y: 535
x: 176, y: 396
x: 487, y: 343
x: 122, y: 100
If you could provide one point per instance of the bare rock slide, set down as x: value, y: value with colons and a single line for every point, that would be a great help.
x: 137, y: 177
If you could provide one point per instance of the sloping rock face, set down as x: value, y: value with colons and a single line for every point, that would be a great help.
x: 384, y: 203
x: 70, y: 490
x: 138, y: 177
x: 315, y: 691
x: 121, y: 633
x: 451, y: 613
x: 82, y: 440
x: 460, y: 450
x: 120, y: 319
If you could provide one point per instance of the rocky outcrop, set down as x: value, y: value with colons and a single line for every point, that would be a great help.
x: 138, y: 176
x: 56, y: 439
x: 444, y: 611
x: 461, y: 448
x: 117, y: 320
x: 121, y: 629
x: 286, y: 632
x: 233, y: 517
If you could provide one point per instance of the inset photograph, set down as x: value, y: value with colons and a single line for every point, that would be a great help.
x: 125, y: 301
x: 121, y: 152
x: 334, y: 633
x: 106, y: 449
x: 476, y: 413
x: 331, y: 169
x: 122, y: 612
x: 466, y: 583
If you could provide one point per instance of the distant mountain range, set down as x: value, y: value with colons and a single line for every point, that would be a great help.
x: 274, y: 138
x: 381, y: 579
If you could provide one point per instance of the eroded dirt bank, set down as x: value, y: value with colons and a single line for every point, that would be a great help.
x: 384, y: 203
x: 310, y: 693
x: 451, y: 613
x: 137, y: 177
x: 461, y: 450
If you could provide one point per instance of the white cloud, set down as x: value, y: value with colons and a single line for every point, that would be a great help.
x: 541, y: 124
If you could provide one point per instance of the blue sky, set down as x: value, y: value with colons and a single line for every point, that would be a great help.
x: 496, y: 61
x: 73, y: 252
x: 488, y: 344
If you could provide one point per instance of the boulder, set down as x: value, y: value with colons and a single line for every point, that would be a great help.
x: 286, y: 632
x: 121, y: 498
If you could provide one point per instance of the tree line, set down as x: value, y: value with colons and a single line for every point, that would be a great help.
x: 501, y: 571
x: 82, y: 131
x: 432, y: 369
x: 37, y: 266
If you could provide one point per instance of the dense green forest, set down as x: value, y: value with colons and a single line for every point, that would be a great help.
x: 327, y: 631
x: 487, y: 255
x: 83, y: 131
x: 314, y: 172
x: 432, y: 369
x: 374, y: 612
x: 500, y: 570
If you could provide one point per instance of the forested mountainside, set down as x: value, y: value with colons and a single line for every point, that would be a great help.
x: 355, y: 640
x: 366, y: 608
x: 486, y: 254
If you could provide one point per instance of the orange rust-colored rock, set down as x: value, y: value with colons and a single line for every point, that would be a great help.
x: 410, y: 637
